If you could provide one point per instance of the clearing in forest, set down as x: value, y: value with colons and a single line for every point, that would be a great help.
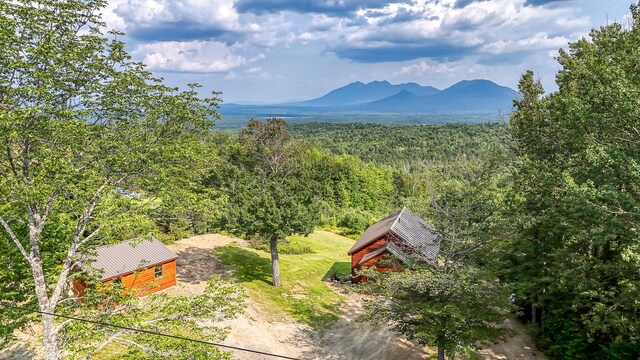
x: 303, y: 294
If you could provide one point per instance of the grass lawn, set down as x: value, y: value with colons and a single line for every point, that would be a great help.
x: 303, y: 294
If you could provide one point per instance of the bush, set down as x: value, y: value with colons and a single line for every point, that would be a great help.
x: 284, y: 246
x: 326, y: 215
x: 294, y: 249
x: 355, y: 220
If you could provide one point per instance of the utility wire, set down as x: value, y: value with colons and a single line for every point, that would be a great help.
x: 149, y: 332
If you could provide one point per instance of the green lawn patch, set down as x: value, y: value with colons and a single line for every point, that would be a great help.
x: 303, y: 294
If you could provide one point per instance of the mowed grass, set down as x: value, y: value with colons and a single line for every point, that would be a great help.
x: 303, y: 294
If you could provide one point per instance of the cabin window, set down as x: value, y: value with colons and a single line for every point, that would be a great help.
x: 117, y: 281
x: 158, y: 271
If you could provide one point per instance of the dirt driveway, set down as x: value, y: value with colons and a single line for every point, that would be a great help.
x: 345, y: 340
x: 255, y: 329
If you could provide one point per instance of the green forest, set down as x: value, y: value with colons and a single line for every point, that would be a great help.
x: 543, y: 207
x: 404, y: 147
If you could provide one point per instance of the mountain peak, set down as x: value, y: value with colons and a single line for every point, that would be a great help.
x: 377, y: 82
x: 466, y: 96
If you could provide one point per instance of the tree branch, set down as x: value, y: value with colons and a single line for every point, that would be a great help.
x: 144, y: 348
x: 76, y: 242
x: 15, y: 239
x: 105, y: 343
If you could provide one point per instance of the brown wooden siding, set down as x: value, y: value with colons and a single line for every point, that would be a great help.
x: 358, y: 255
x: 78, y: 288
x: 142, y: 282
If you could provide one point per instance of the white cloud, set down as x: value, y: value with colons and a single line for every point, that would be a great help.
x: 190, y: 56
x: 539, y: 40
x: 253, y: 70
x: 423, y: 68
x: 443, y: 43
x: 493, y: 26
x: 210, y: 12
x: 113, y: 20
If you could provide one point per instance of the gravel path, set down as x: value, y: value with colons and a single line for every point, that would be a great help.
x: 256, y: 329
x: 345, y: 340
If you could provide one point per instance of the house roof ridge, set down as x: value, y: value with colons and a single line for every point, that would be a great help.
x: 397, y: 218
x: 129, y: 241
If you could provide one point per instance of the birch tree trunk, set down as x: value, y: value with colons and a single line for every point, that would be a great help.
x: 49, y: 332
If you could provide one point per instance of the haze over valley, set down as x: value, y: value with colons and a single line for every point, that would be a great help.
x: 467, y: 101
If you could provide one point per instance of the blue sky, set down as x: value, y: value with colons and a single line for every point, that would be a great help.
x: 280, y: 50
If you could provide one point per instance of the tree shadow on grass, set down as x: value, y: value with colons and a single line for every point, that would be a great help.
x: 248, y: 265
x: 319, y: 316
x: 18, y: 351
x: 341, y: 268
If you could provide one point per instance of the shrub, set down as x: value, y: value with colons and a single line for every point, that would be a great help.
x: 355, y: 220
x: 284, y: 246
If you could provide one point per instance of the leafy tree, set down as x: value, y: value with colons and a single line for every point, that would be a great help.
x: 77, y: 119
x: 176, y: 314
x: 455, y: 303
x: 575, y: 259
x: 452, y: 311
x: 261, y: 181
x: 180, y: 204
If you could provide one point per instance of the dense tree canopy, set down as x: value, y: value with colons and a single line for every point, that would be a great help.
x: 411, y: 148
x: 575, y: 260
x: 553, y: 215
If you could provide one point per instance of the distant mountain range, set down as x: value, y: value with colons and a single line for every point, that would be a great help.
x: 467, y: 96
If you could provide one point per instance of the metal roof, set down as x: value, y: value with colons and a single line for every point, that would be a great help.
x: 420, y: 235
x: 375, y: 231
x: 389, y: 247
x: 127, y: 256
x: 407, y: 226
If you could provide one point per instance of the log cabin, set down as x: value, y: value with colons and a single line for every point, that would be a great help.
x: 392, y: 241
x: 143, y: 267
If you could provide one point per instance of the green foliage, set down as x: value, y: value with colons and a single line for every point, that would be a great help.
x: 78, y: 118
x: 340, y: 190
x: 181, y: 205
x: 466, y: 201
x: 284, y: 246
x: 259, y: 177
x: 355, y: 220
x: 450, y: 304
x: 180, y: 315
x: 303, y: 294
x: 575, y: 259
x: 452, y: 310
x: 406, y: 147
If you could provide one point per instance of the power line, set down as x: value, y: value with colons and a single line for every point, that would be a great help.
x: 149, y: 332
